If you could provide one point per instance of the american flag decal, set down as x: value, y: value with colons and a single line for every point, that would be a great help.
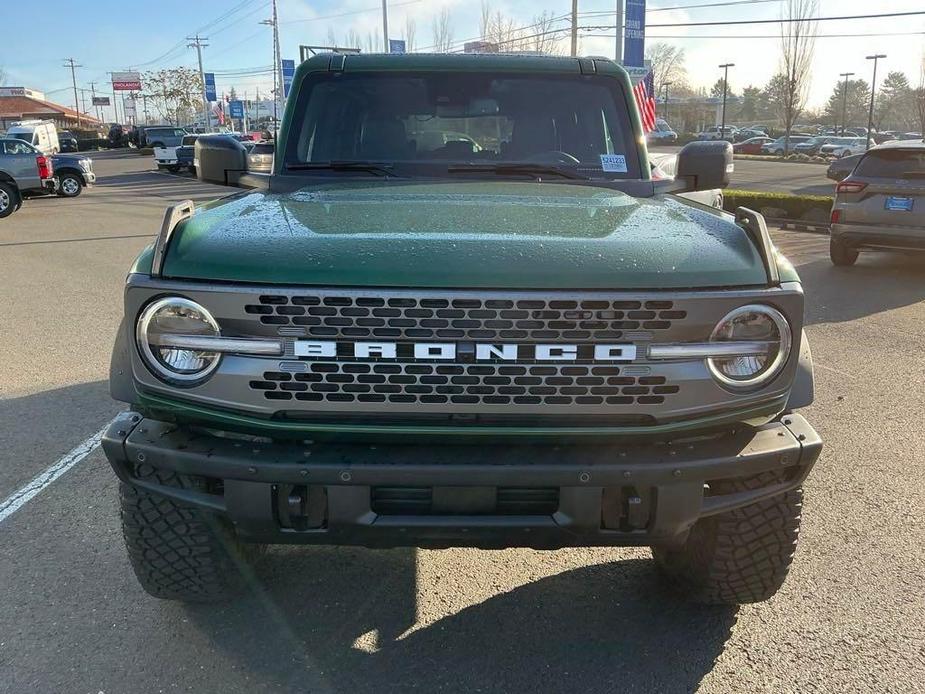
x: 644, y: 91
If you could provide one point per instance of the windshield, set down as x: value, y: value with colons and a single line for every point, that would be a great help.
x: 432, y: 122
x: 24, y: 136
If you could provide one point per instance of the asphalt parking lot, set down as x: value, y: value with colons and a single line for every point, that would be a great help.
x: 851, y: 617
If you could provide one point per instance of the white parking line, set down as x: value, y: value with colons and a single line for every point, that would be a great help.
x: 30, y: 490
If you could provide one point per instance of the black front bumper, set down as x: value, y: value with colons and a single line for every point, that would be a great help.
x: 493, y: 495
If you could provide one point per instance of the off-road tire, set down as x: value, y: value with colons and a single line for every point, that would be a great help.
x: 179, y: 552
x: 741, y: 556
x: 840, y: 254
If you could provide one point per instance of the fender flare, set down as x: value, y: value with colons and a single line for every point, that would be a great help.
x: 803, y: 391
x: 121, y: 386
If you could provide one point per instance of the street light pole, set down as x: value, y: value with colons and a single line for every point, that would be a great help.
x: 385, y: 24
x: 844, y: 105
x: 619, y: 24
x: 725, y: 66
x: 666, y: 85
x: 873, y: 89
x: 574, y: 27
x: 197, y: 43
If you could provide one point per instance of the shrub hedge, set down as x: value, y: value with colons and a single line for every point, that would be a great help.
x: 806, y: 207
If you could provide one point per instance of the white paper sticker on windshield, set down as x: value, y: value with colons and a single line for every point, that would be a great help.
x: 615, y: 163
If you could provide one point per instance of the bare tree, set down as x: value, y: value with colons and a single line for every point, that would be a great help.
x: 409, y: 32
x: 2, y: 76
x: 798, y: 41
x: 175, y: 92
x: 332, y: 37
x: 353, y: 40
x: 442, y: 32
x: 919, y: 96
x: 541, y: 37
x: 667, y: 65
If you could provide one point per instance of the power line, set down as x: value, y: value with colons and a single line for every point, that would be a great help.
x: 762, y: 36
x: 351, y: 12
x: 685, y: 7
x: 789, y: 20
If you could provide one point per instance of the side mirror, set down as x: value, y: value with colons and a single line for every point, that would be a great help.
x: 704, y: 165
x: 219, y: 159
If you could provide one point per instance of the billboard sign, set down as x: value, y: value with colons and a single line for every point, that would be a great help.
x: 236, y: 108
x: 210, y: 86
x: 101, y: 101
x: 634, y: 35
x: 288, y: 68
x: 126, y: 81
x: 396, y: 46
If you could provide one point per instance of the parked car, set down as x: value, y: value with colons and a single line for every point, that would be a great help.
x: 843, y: 147
x: 165, y: 141
x: 23, y: 169
x: 779, y: 146
x: 715, y: 132
x: 260, y: 158
x: 41, y: 134
x: 912, y: 136
x: 747, y: 134
x: 73, y: 173
x: 839, y: 169
x: 881, y: 205
x: 67, y: 141
x: 663, y: 133
x: 812, y: 145
x: 185, y: 153
x: 752, y: 145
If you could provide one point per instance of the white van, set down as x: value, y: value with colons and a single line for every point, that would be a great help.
x: 41, y: 134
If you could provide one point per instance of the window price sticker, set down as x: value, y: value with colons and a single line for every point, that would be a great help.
x: 613, y: 163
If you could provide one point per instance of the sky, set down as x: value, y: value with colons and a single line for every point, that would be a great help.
x: 106, y: 35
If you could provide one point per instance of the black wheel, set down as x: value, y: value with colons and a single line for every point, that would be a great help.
x: 841, y: 254
x: 179, y: 552
x: 173, y: 169
x: 156, y: 145
x: 9, y: 200
x: 70, y: 185
x: 741, y: 556
x: 778, y: 152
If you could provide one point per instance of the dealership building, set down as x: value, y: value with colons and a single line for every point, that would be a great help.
x: 21, y: 103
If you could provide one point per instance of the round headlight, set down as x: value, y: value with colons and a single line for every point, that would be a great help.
x: 766, y: 334
x: 170, y: 317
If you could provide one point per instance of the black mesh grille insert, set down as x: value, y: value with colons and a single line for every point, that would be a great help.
x: 500, y: 501
x: 437, y: 318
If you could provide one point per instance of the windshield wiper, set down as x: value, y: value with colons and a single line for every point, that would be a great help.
x: 378, y: 168
x: 514, y: 169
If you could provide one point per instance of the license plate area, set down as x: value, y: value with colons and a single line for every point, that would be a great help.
x: 896, y: 203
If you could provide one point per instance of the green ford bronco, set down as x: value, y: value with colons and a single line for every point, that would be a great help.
x: 464, y: 309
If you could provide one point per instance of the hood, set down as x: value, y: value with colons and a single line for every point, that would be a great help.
x: 463, y: 234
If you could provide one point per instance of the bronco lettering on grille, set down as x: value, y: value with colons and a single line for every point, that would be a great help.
x: 450, y: 351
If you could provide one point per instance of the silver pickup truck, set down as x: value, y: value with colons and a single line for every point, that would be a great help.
x: 22, y: 169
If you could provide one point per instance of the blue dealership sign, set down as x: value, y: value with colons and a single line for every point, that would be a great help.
x: 634, y: 35
x: 397, y: 46
x: 236, y: 108
x: 288, y: 67
x: 210, y: 86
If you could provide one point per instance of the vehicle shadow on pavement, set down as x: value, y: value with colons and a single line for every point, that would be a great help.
x: 879, y: 282
x: 338, y: 620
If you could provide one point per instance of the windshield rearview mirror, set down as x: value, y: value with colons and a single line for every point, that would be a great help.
x: 220, y: 159
x: 705, y: 165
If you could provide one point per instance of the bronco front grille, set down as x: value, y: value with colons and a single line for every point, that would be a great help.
x: 437, y: 317
x: 435, y: 384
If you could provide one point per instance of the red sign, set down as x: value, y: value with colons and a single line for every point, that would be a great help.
x: 126, y: 81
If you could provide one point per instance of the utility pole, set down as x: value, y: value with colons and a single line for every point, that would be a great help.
x: 873, y: 89
x: 385, y: 24
x: 69, y: 62
x: 197, y: 43
x: 844, y: 102
x: 722, y: 132
x: 277, y: 76
x: 574, y: 27
x: 666, y: 85
x: 619, y: 24
x: 96, y: 109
